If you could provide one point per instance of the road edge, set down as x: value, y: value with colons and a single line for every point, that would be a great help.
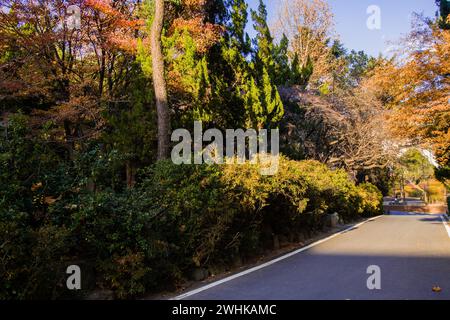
x: 445, y: 221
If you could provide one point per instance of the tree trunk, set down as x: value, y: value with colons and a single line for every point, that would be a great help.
x: 160, y: 83
x: 131, y: 174
x: 69, y: 139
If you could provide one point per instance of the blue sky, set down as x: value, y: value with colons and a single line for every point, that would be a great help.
x: 351, y: 17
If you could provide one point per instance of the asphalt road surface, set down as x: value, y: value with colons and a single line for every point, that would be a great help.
x: 412, y: 252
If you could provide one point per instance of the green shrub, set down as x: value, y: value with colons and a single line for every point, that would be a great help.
x: 32, y: 247
x: 372, y: 200
x: 34, y: 259
x: 120, y: 234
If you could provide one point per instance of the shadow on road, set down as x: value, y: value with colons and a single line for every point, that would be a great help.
x: 432, y: 219
x: 316, y: 276
x: 399, y: 213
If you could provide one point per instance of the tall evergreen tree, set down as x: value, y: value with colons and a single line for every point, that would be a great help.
x: 264, y: 70
x: 229, y: 68
x: 238, y: 37
x: 263, y: 43
x: 243, y: 77
x: 282, y: 66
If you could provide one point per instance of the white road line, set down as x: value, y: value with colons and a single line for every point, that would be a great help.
x: 243, y: 273
x: 447, y: 227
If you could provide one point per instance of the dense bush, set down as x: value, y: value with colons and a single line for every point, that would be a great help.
x: 33, y: 248
x: 180, y: 217
x: 150, y: 236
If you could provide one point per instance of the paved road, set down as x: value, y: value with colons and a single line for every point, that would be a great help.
x: 413, y: 252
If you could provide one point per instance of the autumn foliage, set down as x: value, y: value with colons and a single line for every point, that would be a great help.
x: 416, y: 88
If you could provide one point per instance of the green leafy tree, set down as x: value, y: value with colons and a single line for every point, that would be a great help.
x: 132, y: 129
x: 416, y: 166
x: 413, y: 168
x: 359, y: 64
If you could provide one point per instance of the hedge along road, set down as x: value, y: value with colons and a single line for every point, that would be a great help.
x: 412, y: 252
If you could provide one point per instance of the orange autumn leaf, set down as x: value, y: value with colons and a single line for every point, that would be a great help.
x: 36, y: 186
